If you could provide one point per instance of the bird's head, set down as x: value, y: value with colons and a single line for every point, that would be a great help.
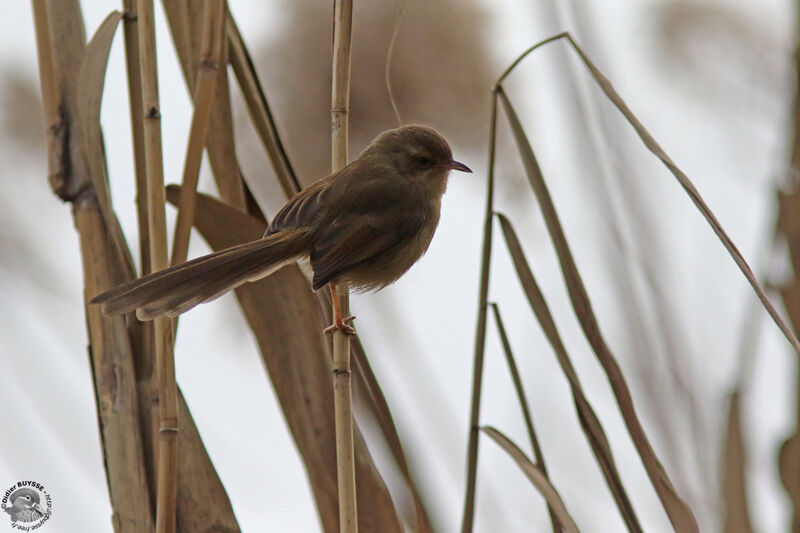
x: 24, y: 499
x: 418, y: 153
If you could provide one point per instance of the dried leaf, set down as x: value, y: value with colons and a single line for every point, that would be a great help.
x: 679, y: 513
x: 536, y: 476
x: 91, y: 78
x: 114, y: 379
x: 523, y: 403
x: 586, y: 415
x: 365, y: 380
x: 734, y: 479
x: 688, y: 186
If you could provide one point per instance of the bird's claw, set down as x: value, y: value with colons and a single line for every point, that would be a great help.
x: 342, y: 325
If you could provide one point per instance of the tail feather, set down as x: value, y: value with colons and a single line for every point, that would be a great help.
x: 177, y: 289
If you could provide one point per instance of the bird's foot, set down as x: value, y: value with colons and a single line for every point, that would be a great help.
x: 342, y: 325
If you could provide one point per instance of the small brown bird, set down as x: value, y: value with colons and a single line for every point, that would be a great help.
x: 364, y: 225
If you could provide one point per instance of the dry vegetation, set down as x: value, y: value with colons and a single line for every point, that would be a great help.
x: 156, y: 465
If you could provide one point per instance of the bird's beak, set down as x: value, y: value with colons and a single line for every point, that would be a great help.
x: 455, y: 165
x: 39, y: 508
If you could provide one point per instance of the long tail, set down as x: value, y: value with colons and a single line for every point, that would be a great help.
x: 175, y: 290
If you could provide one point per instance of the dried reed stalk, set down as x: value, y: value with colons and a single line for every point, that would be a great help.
x: 468, y: 518
x: 71, y: 80
x: 342, y: 396
x: 185, y: 18
x: 678, y: 512
x: 131, y: 32
x: 167, y: 452
x: 590, y: 423
x: 205, y: 85
x: 144, y: 362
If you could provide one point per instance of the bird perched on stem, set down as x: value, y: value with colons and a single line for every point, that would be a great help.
x: 364, y: 226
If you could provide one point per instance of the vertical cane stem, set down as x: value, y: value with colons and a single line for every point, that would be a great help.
x: 340, y: 98
x: 204, y: 87
x: 468, y: 519
x: 167, y: 454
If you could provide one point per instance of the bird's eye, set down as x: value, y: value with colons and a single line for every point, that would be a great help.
x: 424, y: 161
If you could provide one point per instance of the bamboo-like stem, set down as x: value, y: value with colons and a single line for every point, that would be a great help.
x: 205, y: 85
x: 340, y: 94
x: 67, y: 66
x: 343, y: 418
x: 145, y: 360
x: 480, y: 334
x: 131, y: 32
x: 167, y: 453
x: 343, y: 412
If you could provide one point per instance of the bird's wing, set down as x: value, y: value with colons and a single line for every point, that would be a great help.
x: 335, y: 250
x: 301, y: 209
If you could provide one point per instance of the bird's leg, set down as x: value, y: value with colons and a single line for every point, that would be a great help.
x: 342, y: 324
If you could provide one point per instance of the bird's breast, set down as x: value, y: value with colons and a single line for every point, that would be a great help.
x: 386, y: 267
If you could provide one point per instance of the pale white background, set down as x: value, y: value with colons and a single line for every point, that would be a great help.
x: 734, y: 149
